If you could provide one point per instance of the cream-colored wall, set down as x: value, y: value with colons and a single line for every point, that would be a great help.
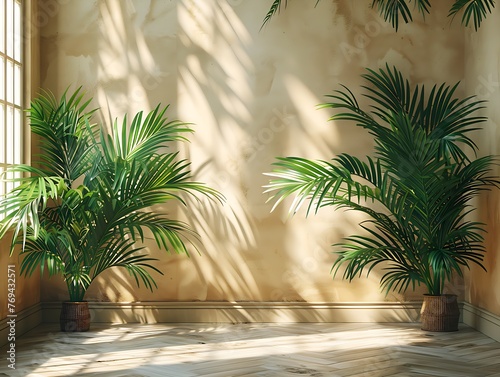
x: 26, y: 290
x: 482, y: 69
x: 251, y: 95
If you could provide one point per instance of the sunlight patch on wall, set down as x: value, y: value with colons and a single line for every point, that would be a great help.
x: 214, y: 92
x: 320, y: 134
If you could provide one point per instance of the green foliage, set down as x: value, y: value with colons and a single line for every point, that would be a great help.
x: 275, y: 8
x: 91, y: 199
x: 394, y: 10
x: 475, y: 9
x: 419, y: 173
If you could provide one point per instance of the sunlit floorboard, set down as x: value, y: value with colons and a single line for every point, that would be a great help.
x: 223, y: 350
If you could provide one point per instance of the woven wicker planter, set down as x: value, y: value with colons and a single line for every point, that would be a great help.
x: 75, y: 316
x: 440, y: 313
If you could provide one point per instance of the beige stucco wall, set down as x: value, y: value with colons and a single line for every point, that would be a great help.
x: 26, y: 289
x: 482, y: 57
x: 251, y: 95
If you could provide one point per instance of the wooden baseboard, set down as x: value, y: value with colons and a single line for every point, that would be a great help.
x: 23, y: 322
x: 482, y: 320
x: 243, y: 312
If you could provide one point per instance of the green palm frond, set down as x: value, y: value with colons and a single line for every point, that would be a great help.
x: 394, y: 11
x: 145, y: 137
x: 90, y: 204
x: 421, y: 174
x: 48, y: 258
x: 274, y: 9
x: 66, y: 134
x: 313, y: 181
x: 21, y: 207
x: 477, y: 10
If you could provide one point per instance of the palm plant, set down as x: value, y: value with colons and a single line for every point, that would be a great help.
x: 419, y: 174
x: 392, y: 11
x: 88, y: 203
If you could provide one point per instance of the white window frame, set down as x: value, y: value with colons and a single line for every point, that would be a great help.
x: 13, y: 48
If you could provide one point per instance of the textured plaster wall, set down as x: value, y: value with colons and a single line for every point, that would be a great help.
x: 251, y: 95
x: 27, y: 291
x: 482, y: 57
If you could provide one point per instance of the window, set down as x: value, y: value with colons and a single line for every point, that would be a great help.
x: 11, y: 87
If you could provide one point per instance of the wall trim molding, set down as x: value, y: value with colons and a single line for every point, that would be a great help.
x: 482, y: 320
x: 25, y: 320
x: 243, y: 312
x: 246, y: 312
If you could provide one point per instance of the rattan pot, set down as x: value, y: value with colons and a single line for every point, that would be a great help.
x: 75, y: 316
x: 440, y: 313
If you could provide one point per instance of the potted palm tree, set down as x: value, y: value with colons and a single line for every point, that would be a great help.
x: 421, y: 176
x: 89, y: 203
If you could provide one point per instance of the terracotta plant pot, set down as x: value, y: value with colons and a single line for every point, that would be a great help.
x: 75, y: 316
x: 440, y: 313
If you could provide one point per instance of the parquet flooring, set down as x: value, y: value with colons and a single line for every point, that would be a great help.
x: 224, y: 350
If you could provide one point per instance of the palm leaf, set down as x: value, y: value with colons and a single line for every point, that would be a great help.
x: 421, y: 174
x: 80, y: 230
x: 274, y: 9
x: 392, y: 10
x: 475, y: 10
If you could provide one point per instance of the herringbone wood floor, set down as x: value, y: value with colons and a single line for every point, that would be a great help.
x: 219, y: 350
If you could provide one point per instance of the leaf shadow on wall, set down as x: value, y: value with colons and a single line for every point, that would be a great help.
x: 249, y: 102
